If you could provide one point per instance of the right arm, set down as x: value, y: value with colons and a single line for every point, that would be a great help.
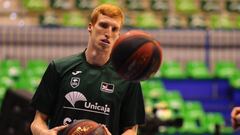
x: 39, y: 125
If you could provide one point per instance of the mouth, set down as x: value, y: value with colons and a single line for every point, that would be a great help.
x: 105, y: 41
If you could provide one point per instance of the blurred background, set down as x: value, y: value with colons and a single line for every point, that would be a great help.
x: 194, y: 91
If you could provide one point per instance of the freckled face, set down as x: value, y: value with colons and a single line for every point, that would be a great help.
x: 104, y: 32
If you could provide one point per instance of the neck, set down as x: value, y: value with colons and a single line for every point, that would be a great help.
x: 96, y: 57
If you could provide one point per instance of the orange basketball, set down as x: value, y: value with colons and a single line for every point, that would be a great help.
x: 136, y: 55
x: 85, y: 127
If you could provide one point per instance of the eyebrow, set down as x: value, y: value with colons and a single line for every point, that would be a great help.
x: 109, y: 23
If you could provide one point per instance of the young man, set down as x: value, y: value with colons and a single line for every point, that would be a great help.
x: 86, y: 86
x: 235, y: 116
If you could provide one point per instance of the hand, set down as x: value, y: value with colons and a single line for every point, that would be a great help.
x: 55, y: 130
x: 106, y: 129
x: 39, y: 125
x: 235, y: 118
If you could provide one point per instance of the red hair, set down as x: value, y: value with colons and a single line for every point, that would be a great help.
x: 107, y: 10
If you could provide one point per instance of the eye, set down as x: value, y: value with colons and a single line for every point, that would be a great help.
x: 103, y: 25
x: 115, y: 29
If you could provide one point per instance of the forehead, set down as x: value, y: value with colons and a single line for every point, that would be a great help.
x: 116, y: 22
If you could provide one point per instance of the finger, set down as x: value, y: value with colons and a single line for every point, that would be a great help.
x: 235, y: 126
x: 106, y: 129
x: 233, y: 123
x: 238, y: 119
x: 59, y: 128
x: 236, y: 122
x: 235, y: 111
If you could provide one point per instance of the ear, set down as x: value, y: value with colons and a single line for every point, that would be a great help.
x: 90, y: 27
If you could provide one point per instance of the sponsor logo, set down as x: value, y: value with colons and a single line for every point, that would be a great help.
x: 75, y: 81
x: 76, y: 72
x: 68, y: 120
x: 75, y: 96
x: 107, y: 87
x: 105, y: 109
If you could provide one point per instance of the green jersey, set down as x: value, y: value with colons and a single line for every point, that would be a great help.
x: 72, y: 89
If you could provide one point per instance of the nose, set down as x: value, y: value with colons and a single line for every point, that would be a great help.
x: 108, y: 33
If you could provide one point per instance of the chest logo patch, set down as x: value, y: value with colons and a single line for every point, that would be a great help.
x: 107, y: 87
x: 75, y: 81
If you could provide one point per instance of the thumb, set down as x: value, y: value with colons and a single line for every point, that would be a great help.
x: 59, y: 128
x: 106, y: 129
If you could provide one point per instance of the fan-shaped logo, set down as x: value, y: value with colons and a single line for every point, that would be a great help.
x: 74, y: 96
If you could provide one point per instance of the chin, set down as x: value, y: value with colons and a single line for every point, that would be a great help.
x: 104, y: 46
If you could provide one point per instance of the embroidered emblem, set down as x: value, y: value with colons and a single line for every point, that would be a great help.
x: 75, y: 81
x: 107, y: 87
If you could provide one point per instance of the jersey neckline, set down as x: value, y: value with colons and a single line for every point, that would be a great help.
x: 83, y: 55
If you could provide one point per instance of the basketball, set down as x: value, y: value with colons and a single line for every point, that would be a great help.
x: 136, y: 55
x: 85, y: 127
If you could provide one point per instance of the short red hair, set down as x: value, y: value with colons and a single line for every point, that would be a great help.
x: 108, y: 10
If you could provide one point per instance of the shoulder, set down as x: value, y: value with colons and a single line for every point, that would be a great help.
x: 64, y: 64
